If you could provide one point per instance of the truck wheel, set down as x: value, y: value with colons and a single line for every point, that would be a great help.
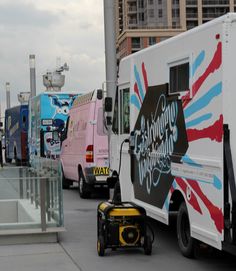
x: 8, y: 160
x: 83, y: 187
x: 65, y: 182
x: 101, y: 246
x: 147, y: 245
x: 185, y: 241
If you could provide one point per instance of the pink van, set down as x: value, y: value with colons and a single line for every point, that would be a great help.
x: 84, y: 155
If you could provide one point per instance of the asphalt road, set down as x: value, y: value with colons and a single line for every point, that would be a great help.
x: 79, y: 242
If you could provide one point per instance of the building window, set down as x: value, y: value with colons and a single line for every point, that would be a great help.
x: 152, y: 40
x: 140, y: 4
x: 175, y: 2
x: 179, y: 77
x: 136, y: 44
x: 151, y: 13
x: 175, y: 13
x: 160, y: 14
x: 159, y: 2
x: 150, y: 2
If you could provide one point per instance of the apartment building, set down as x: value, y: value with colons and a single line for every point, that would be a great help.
x: 141, y: 23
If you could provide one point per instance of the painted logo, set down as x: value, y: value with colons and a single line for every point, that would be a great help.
x: 159, y: 139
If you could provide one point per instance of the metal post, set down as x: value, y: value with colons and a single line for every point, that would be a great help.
x: 21, y: 183
x: 110, y: 55
x: 32, y: 75
x: 43, y: 204
x: 27, y: 183
x: 110, y: 47
x: 8, y: 96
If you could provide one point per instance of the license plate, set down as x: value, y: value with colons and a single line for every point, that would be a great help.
x: 101, y: 171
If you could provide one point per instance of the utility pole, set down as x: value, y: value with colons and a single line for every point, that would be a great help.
x: 32, y: 75
x: 8, y: 96
x: 110, y: 48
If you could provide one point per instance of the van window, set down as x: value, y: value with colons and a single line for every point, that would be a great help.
x: 115, y: 115
x: 179, y: 77
x: 101, y: 130
x: 124, y: 111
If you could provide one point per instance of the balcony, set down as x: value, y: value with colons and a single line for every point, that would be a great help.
x: 191, y: 15
x: 214, y: 3
x: 132, y: 10
x: 191, y: 3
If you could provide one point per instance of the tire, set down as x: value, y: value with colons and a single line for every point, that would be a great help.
x: 147, y: 245
x: 101, y: 246
x: 185, y: 241
x: 65, y: 182
x: 83, y: 187
x: 8, y: 160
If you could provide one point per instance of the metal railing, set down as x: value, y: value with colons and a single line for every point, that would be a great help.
x: 31, y: 197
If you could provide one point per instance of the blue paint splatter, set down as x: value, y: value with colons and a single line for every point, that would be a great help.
x: 137, y: 77
x: 203, y: 101
x: 217, y: 183
x: 174, y: 184
x: 198, y: 120
x: 134, y: 100
x: 186, y: 159
x: 197, y: 62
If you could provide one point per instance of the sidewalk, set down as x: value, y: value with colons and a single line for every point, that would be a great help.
x: 37, y: 257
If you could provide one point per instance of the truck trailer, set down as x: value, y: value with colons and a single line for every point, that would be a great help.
x: 16, y: 133
x: 48, y: 115
x: 175, y: 105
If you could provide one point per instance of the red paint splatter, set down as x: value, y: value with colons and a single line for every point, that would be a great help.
x: 192, y: 199
x: 214, y: 65
x: 214, y: 132
x: 137, y: 92
x: 145, y: 76
x: 215, y: 212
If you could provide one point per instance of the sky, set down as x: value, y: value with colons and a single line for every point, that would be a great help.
x: 70, y: 29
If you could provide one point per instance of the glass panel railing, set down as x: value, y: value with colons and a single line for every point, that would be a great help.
x: 31, y: 197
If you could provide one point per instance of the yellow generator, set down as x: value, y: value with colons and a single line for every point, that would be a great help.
x: 122, y: 225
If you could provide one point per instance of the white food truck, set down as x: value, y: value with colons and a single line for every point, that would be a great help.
x: 176, y: 104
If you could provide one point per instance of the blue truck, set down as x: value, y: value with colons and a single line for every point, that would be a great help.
x: 48, y: 113
x: 16, y: 134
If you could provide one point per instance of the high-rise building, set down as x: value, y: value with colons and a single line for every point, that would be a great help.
x: 140, y: 23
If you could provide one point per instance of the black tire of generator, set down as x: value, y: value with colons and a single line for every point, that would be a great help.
x: 101, y: 246
x: 147, y: 245
x: 185, y: 241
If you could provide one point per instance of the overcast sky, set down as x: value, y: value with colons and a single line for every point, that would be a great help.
x: 70, y: 29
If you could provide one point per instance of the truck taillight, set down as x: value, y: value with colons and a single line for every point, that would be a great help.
x: 89, y: 154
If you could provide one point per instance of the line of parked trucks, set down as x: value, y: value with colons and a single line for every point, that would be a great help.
x: 171, y: 148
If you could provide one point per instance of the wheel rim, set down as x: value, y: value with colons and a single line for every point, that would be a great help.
x: 185, y: 230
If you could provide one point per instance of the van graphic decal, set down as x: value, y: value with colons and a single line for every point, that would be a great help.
x: 160, y: 138
x: 150, y: 173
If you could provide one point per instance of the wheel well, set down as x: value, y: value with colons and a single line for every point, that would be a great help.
x: 176, y: 199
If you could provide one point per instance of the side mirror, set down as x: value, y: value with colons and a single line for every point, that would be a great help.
x: 108, y: 104
x: 99, y: 94
x: 1, y: 124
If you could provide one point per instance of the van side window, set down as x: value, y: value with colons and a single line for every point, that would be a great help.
x: 115, y: 115
x: 101, y: 130
x: 124, y: 111
x: 179, y: 77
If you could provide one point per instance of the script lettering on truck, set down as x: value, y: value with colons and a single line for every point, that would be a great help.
x: 159, y: 139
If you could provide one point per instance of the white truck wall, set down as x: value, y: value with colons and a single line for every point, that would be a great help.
x: 199, y: 176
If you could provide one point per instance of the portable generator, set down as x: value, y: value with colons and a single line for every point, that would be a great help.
x: 122, y: 225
